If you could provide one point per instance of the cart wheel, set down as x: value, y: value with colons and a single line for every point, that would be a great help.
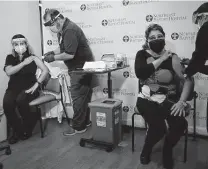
x: 82, y: 143
x: 8, y: 151
x: 109, y: 149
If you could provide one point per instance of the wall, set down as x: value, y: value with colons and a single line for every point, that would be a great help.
x: 17, y: 17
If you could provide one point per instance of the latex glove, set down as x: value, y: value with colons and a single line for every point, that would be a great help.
x: 32, y: 89
x: 49, y: 56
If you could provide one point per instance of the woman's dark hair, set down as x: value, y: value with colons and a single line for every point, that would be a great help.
x: 150, y: 28
x: 28, y: 51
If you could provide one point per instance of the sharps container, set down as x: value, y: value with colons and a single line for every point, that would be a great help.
x: 106, y: 116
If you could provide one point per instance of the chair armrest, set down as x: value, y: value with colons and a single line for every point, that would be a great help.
x: 42, y: 100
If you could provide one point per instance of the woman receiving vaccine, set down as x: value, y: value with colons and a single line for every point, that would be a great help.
x: 20, y: 67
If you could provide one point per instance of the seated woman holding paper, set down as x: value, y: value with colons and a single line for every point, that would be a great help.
x: 163, y: 95
x: 21, y: 68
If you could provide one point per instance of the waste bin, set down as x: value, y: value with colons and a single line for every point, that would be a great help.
x: 3, y: 125
x: 106, y: 116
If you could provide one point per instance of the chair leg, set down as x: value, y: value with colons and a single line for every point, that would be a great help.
x: 41, y: 123
x: 132, y: 127
x: 194, y: 120
x: 185, y: 146
x: 67, y: 118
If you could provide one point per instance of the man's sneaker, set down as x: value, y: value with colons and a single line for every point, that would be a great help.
x: 88, y: 124
x: 80, y: 131
x: 69, y: 132
x: 72, y: 132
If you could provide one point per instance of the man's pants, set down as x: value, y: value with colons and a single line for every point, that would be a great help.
x: 20, y: 100
x: 81, y: 93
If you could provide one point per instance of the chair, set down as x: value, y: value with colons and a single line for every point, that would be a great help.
x: 51, y: 91
x: 193, y: 97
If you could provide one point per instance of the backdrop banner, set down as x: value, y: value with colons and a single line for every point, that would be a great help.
x: 118, y: 27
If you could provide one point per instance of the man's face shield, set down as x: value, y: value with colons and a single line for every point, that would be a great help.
x: 197, y: 17
x: 194, y: 18
x: 51, y: 22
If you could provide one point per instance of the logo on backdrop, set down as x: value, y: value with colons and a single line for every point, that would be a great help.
x: 163, y: 17
x: 128, y: 2
x: 117, y: 21
x: 190, y: 36
x: 52, y: 42
x: 100, y: 41
x: 83, y: 25
x: 133, y: 38
x: 119, y: 92
x: 125, y: 109
x: 129, y: 74
x: 128, y: 108
x: 62, y: 9
x: 126, y: 74
x: 95, y: 6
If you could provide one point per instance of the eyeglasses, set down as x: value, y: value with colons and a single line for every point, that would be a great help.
x: 49, y: 23
x: 153, y: 37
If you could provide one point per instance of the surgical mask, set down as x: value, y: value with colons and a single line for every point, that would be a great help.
x: 20, y: 49
x: 157, y: 45
x: 198, y: 26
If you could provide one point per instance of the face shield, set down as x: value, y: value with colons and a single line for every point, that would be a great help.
x: 19, y: 45
x: 51, y: 22
x: 199, y: 19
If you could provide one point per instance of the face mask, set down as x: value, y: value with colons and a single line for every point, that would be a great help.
x: 157, y: 45
x: 20, y: 49
x: 198, y: 26
x: 55, y: 28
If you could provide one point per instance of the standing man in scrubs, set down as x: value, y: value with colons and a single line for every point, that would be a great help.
x: 74, y: 51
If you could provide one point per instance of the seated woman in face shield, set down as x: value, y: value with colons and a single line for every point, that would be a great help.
x: 161, y: 76
x: 22, y: 88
